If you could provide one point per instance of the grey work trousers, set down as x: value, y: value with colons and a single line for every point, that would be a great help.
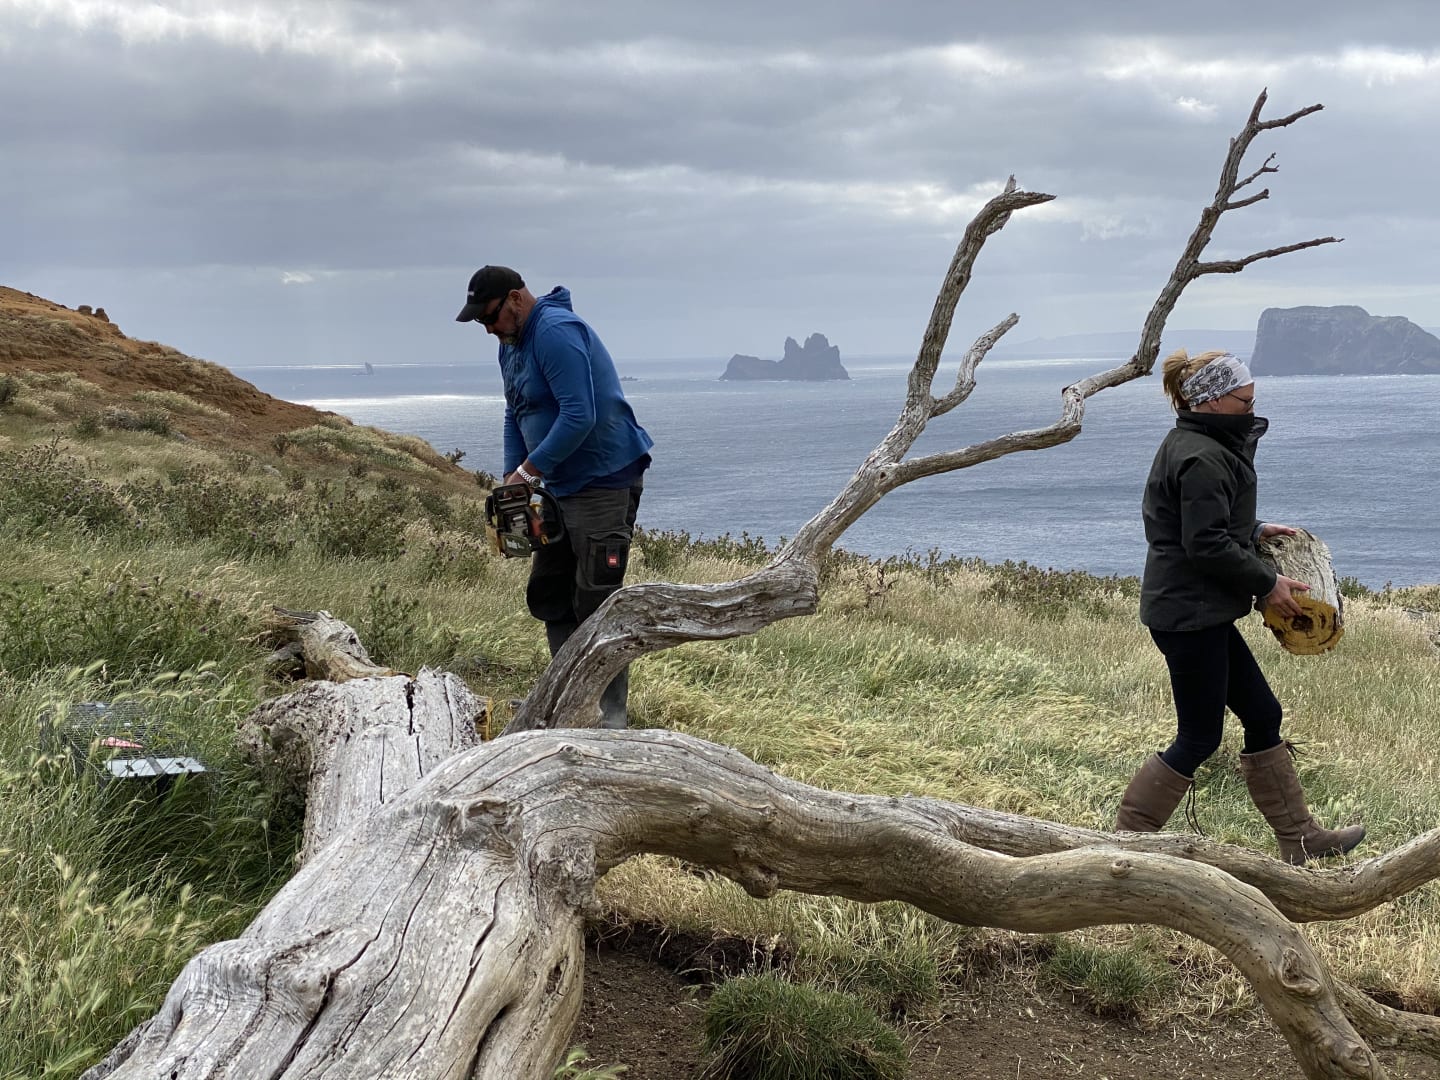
x: 571, y: 578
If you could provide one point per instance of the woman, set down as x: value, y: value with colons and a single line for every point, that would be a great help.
x: 1201, y: 575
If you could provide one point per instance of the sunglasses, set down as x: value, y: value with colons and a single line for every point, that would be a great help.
x: 494, y: 316
x: 1248, y: 402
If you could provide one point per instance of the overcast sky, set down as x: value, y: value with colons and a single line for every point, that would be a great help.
x: 315, y: 182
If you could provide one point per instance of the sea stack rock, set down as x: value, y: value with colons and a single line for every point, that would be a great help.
x: 815, y: 361
x: 1343, y: 340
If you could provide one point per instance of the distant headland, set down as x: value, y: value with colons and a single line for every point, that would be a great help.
x: 1342, y: 340
x: 815, y: 361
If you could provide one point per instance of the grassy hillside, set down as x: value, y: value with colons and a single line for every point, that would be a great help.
x: 141, y: 558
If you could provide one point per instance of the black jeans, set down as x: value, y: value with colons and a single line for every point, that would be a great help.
x: 1210, y: 669
x: 570, y: 579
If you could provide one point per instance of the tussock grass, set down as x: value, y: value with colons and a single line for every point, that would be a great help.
x: 143, y: 567
x: 1116, y: 980
x: 763, y: 1027
x: 176, y: 402
x: 346, y: 441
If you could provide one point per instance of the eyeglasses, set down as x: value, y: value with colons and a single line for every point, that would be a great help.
x: 494, y: 316
x: 1248, y: 402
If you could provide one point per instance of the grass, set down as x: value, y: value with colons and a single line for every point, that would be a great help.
x: 764, y: 1027
x: 576, y: 1067
x: 140, y: 567
x: 1115, y: 980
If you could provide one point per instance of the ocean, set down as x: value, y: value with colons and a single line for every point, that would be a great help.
x: 1354, y: 459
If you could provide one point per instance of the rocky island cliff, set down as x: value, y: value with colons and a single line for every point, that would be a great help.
x: 1342, y: 340
x: 815, y: 361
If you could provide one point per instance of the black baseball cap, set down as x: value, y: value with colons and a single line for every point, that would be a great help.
x: 486, y: 284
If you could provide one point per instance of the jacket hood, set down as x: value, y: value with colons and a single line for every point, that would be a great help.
x: 556, y: 297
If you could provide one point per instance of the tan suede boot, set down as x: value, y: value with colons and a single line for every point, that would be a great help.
x: 1275, y: 789
x: 1152, y: 796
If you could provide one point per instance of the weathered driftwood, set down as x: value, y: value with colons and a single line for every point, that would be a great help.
x: 1321, y: 622
x: 325, y: 647
x: 434, y: 928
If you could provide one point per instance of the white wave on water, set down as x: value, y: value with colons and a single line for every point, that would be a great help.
x: 399, y: 401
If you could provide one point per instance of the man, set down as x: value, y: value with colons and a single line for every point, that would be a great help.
x: 568, y: 426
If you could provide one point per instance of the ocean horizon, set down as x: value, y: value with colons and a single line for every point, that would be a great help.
x: 1351, y: 458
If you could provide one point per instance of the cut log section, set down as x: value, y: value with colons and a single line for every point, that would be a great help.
x: 1321, y: 622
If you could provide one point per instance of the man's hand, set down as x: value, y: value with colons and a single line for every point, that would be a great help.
x: 1282, y: 598
x: 1268, y: 530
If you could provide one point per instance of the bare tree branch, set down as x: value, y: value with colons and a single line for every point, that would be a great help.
x: 1234, y: 266
x: 1302, y: 894
x: 1266, y: 167
x: 1384, y: 1026
x: 990, y: 219
x: 965, y: 377
x: 1286, y: 121
x: 1237, y: 204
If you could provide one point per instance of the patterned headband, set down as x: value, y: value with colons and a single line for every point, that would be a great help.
x: 1215, y: 380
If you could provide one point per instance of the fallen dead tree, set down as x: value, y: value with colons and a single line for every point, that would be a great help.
x: 434, y: 928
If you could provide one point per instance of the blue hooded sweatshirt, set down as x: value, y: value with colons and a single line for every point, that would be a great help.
x: 564, y: 408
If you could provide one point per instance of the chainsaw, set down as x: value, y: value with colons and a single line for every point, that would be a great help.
x: 520, y: 519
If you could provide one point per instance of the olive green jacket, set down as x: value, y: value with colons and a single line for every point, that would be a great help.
x: 1199, y: 508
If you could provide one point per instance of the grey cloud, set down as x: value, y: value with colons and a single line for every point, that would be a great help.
x: 749, y: 162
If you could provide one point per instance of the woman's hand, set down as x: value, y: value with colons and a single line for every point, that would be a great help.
x: 1282, y: 598
x: 1268, y: 530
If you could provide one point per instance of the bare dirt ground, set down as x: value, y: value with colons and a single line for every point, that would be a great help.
x: 643, y: 1001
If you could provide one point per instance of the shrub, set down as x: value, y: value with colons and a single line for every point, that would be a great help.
x: 40, y: 488
x: 86, y: 427
x: 761, y: 1027
x: 348, y: 524
x: 241, y: 520
x: 120, y: 419
x: 133, y: 624
x: 436, y: 507
x: 664, y: 549
x: 389, y: 624
x: 9, y: 387
x: 1051, y: 593
x: 454, y: 555
x: 1353, y: 588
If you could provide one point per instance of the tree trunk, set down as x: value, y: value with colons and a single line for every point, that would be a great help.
x: 1321, y: 622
